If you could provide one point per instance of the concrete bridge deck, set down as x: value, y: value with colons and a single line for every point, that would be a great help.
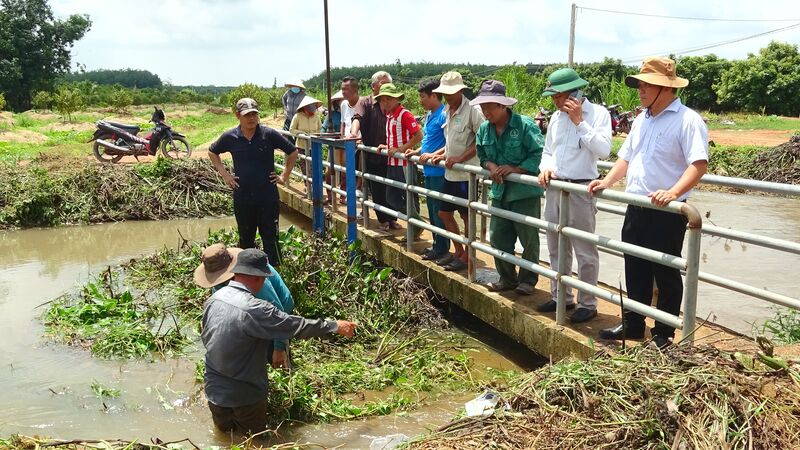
x: 512, y: 314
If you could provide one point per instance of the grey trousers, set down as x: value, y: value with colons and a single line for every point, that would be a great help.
x: 582, y: 211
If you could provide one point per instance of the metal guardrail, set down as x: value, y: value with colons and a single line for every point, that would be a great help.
x: 689, y: 266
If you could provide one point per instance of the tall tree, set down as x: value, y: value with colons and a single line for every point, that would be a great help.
x: 34, y: 48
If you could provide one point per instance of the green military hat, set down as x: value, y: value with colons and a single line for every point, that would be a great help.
x: 563, y: 80
x: 390, y: 90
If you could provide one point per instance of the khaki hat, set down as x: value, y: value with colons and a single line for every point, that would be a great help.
x: 451, y: 83
x: 215, y: 268
x: 390, y: 90
x: 308, y: 100
x: 337, y: 96
x: 658, y: 71
x: 493, y: 91
x: 295, y: 84
x: 246, y: 106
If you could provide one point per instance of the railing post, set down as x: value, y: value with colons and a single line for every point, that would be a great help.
x: 334, y: 180
x: 563, y: 263
x: 690, y: 286
x: 364, y: 188
x: 410, y: 169
x: 485, y: 201
x: 306, y: 184
x: 318, y: 221
x: 350, y: 178
x: 472, y: 228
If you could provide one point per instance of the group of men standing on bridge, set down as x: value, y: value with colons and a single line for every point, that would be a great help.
x: 663, y: 157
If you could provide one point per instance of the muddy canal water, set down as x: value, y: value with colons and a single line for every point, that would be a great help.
x: 46, y: 387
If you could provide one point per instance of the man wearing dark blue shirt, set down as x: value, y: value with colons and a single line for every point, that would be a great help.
x: 255, y: 194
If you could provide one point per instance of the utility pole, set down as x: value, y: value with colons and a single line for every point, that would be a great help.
x: 328, y: 64
x: 570, y: 61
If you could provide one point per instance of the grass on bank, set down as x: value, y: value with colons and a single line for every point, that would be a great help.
x: 403, y: 355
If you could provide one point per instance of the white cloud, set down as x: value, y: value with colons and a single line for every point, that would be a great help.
x: 227, y: 42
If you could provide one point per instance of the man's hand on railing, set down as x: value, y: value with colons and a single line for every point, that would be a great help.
x: 596, y: 186
x: 498, y: 173
x: 662, y: 197
x: 545, y: 176
x: 451, y: 161
x: 411, y: 152
x: 423, y: 158
x: 436, y: 158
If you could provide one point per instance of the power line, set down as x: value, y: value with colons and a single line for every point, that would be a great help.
x: 709, y: 19
x: 713, y: 45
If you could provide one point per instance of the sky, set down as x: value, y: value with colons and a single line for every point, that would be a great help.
x: 229, y: 42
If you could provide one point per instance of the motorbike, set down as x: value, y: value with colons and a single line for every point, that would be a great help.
x: 113, y: 140
x: 543, y: 119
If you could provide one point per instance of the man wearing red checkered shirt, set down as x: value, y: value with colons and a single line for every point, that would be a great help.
x: 402, y: 133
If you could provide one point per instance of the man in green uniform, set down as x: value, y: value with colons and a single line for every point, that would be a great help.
x: 510, y: 143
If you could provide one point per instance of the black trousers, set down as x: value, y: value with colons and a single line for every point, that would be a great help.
x: 377, y: 165
x: 664, y: 232
x: 263, y: 218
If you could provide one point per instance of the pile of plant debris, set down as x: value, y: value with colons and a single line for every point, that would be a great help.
x: 779, y: 164
x: 683, y: 398
x: 57, y: 190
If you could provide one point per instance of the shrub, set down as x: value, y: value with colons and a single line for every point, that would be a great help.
x: 68, y: 100
x: 42, y: 100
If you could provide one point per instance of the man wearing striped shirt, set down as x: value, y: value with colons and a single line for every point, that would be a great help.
x: 402, y: 133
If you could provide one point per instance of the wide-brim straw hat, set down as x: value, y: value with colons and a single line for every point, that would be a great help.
x: 451, y: 83
x: 307, y: 100
x: 216, y: 264
x: 493, y: 91
x: 657, y: 71
x: 295, y: 84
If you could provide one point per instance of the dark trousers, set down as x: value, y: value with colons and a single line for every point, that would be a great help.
x: 664, y: 232
x: 264, y: 219
x: 376, y: 165
x: 248, y: 419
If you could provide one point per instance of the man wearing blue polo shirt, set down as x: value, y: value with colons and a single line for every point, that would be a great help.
x: 255, y: 194
x: 432, y: 141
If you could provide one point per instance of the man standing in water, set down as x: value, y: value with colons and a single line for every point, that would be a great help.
x: 256, y: 205
x: 663, y: 157
x: 237, y: 328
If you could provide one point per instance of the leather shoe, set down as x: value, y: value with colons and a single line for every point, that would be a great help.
x: 583, y: 315
x: 551, y: 306
x: 615, y: 333
x: 661, y: 342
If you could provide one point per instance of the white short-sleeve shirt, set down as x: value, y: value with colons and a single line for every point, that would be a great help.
x: 347, y: 116
x: 659, y: 149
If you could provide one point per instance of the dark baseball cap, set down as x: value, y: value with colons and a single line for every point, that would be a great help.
x: 252, y: 261
x: 246, y: 105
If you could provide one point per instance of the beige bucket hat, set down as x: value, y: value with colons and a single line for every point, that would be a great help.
x: 216, y: 264
x: 451, y: 83
x: 658, y: 71
x: 308, y: 100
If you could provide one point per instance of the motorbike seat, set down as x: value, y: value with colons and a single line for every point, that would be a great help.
x: 133, y: 129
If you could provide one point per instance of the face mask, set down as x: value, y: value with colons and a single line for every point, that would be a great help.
x: 312, y: 109
x: 295, y: 89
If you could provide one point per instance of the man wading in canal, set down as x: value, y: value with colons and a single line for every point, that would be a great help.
x: 237, y: 329
x: 255, y: 195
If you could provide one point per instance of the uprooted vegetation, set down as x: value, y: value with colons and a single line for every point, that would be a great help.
x: 403, y: 354
x: 59, y: 191
x: 683, y: 398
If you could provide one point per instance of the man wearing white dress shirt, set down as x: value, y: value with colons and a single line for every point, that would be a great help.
x: 663, y: 157
x: 578, y: 135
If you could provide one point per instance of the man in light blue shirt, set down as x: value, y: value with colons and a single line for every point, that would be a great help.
x: 433, y: 141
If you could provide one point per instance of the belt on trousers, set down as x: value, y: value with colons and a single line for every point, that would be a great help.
x: 568, y: 180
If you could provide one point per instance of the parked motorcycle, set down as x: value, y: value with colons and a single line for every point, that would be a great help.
x: 113, y: 140
x: 543, y: 119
